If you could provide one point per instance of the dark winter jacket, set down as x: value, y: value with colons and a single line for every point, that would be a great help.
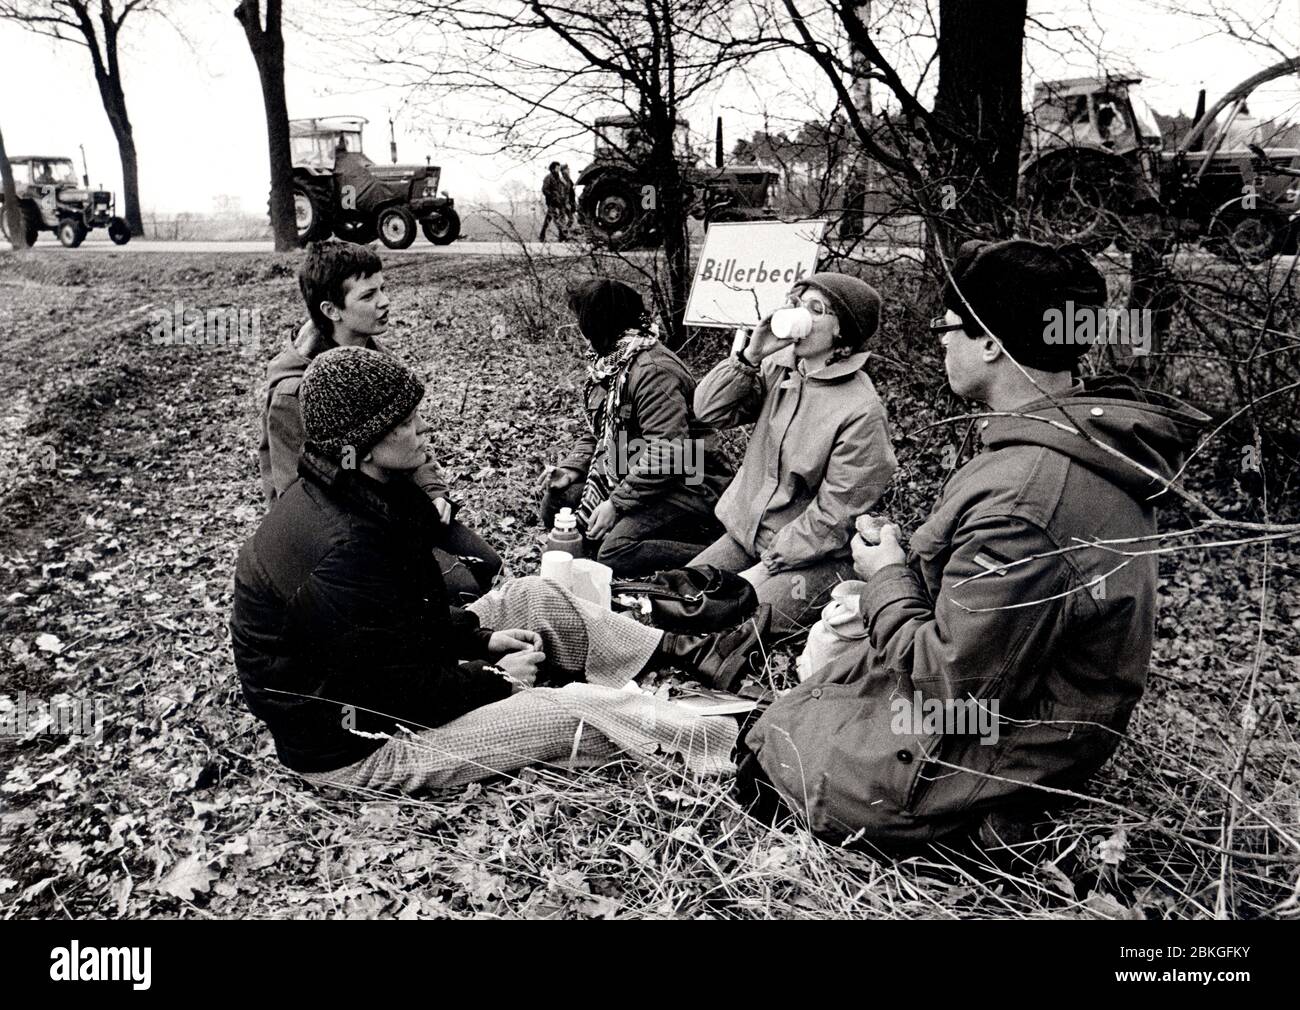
x: 657, y: 411
x: 999, y: 604
x: 339, y: 602
x: 282, y: 431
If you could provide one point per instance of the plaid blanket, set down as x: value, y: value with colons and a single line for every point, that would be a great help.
x: 580, y: 723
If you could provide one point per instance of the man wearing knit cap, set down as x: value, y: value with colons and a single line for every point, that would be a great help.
x: 343, y: 634
x: 819, y: 454
x: 1003, y: 651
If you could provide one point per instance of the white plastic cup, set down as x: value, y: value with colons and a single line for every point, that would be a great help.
x: 591, y: 581
x: 791, y: 323
x: 558, y: 567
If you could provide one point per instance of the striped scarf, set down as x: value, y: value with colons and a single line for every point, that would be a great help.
x: 609, y: 371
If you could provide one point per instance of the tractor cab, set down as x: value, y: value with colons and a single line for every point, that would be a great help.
x: 318, y: 144
x: 1096, y: 112
x: 45, y: 172
x: 621, y: 138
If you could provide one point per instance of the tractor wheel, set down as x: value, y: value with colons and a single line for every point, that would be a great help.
x: 396, y: 227
x: 611, y: 209
x: 1245, y: 237
x: 442, y: 228
x: 4, y: 226
x: 31, y: 222
x: 1074, y: 201
x: 119, y: 231
x: 311, y: 212
x: 71, y: 233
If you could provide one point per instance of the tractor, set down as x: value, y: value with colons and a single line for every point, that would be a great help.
x: 1094, y: 168
x: 337, y: 190
x: 52, y: 198
x: 617, y: 202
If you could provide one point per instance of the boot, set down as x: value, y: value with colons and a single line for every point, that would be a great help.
x: 720, y: 660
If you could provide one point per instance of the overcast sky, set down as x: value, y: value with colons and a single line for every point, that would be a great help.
x: 200, y: 133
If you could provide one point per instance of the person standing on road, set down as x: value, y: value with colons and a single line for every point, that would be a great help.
x: 556, y: 199
x: 570, y: 198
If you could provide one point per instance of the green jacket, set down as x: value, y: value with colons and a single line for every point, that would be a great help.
x: 1046, y: 656
x: 819, y: 455
x: 282, y: 431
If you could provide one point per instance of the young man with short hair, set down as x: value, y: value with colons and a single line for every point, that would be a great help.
x: 1005, y: 651
x: 342, y: 284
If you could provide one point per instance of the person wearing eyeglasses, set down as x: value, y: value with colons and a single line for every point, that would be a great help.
x: 820, y: 453
x: 1008, y: 647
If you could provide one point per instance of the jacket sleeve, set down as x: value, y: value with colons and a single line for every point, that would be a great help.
x: 730, y: 395
x: 986, y: 624
x: 284, y: 435
x: 470, y: 640
x: 664, y: 418
x: 857, y: 473
x: 352, y: 590
x: 579, y: 457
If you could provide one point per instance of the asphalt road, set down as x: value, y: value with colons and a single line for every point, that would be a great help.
x: 98, y: 242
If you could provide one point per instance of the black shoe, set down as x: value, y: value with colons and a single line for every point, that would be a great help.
x: 723, y: 659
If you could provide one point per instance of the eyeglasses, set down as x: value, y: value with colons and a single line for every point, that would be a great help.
x: 814, y: 305
x: 939, y: 325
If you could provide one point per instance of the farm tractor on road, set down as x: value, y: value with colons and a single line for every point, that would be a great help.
x: 1095, y: 169
x: 337, y: 190
x: 618, y: 188
x: 52, y: 198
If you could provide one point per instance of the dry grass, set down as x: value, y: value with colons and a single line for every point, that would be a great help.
x: 124, y: 552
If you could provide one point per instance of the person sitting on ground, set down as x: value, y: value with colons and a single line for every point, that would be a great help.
x: 1031, y: 643
x: 343, y: 286
x: 819, y: 455
x: 639, y: 477
x: 348, y: 649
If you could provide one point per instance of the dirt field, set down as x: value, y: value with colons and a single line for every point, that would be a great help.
x: 132, y: 480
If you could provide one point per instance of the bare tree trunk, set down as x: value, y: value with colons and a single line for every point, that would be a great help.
x: 267, y: 46
x: 110, y: 90
x: 855, y: 188
x: 13, y: 215
x: 978, y: 99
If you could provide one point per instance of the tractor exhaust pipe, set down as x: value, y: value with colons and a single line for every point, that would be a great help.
x: 85, y: 169
x: 1196, y: 118
x: 717, y: 145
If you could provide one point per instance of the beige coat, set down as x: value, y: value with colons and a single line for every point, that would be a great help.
x: 819, y: 456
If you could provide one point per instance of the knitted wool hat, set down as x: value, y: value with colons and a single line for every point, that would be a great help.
x: 354, y: 396
x: 856, y: 304
x: 605, y: 309
x: 1012, y: 286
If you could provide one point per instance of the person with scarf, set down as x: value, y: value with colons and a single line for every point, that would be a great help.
x: 640, y: 478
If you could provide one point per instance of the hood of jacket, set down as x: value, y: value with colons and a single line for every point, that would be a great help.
x: 1107, y: 412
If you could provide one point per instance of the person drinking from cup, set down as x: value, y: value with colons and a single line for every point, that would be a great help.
x: 820, y: 453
